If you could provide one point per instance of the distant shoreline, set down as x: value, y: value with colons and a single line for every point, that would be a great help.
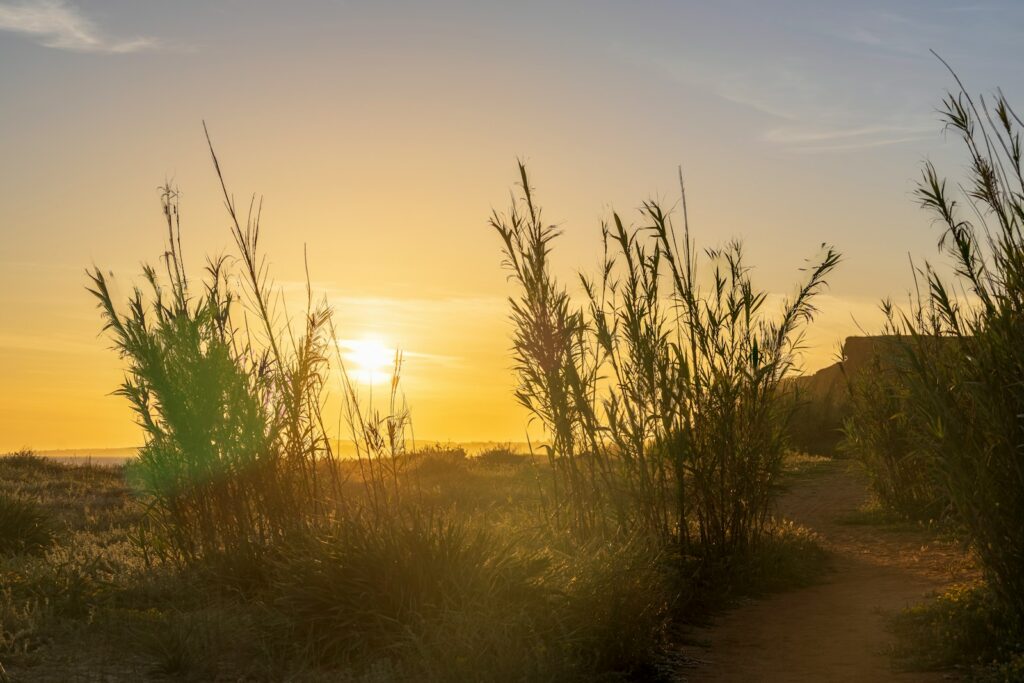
x: 119, y: 456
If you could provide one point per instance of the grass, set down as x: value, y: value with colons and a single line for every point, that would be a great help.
x: 661, y: 395
x: 937, y: 424
x: 965, y: 627
x: 247, y: 549
x: 25, y: 527
x: 480, y: 591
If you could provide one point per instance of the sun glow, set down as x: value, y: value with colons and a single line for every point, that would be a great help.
x: 368, y: 360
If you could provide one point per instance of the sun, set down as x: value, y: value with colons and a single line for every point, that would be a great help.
x: 368, y: 360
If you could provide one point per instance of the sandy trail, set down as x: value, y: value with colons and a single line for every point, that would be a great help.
x: 834, y: 631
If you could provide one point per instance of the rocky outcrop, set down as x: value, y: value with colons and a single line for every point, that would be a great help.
x: 822, y: 398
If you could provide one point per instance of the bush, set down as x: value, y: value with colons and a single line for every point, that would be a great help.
x: 501, y: 456
x: 25, y: 527
x: 437, y: 461
x: 27, y: 459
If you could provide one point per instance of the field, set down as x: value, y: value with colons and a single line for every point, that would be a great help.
x: 662, y: 528
x: 93, y: 603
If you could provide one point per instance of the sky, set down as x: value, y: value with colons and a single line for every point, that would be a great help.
x: 382, y: 134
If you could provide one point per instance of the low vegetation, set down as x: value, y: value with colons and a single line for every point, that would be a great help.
x: 964, y: 627
x: 24, y: 526
x: 470, y: 587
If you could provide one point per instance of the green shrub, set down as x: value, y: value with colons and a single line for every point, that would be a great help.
x: 25, y: 526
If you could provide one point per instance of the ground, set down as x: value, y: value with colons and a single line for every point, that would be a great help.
x: 836, y: 630
x: 91, y: 609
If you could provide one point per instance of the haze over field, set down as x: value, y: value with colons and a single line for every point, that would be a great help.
x: 382, y: 134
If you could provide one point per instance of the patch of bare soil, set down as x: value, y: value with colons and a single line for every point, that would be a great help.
x: 834, y: 631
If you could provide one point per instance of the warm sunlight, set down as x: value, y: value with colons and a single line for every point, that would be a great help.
x: 478, y: 341
x: 368, y: 360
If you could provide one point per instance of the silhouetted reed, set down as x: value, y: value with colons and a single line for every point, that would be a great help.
x: 426, y: 563
x: 965, y: 360
x: 882, y: 434
x: 229, y: 396
x: 659, y: 395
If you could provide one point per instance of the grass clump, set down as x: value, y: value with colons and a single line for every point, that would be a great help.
x: 231, y: 450
x: 360, y: 581
x: 501, y: 456
x: 965, y: 626
x: 25, y: 526
x: 359, y: 590
x: 22, y: 627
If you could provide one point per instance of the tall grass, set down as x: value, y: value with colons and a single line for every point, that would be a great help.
x: 231, y: 414
x: 881, y: 432
x: 659, y: 393
x: 967, y: 394
x: 372, y: 565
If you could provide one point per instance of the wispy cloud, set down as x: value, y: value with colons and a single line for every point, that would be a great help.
x: 57, y: 24
x: 846, y: 138
x: 803, y: 107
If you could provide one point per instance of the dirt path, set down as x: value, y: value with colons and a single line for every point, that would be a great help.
x: 834, y: 631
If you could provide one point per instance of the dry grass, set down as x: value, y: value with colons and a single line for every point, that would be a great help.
x: 480, y: 590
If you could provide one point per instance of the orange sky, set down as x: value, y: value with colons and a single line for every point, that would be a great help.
x: 382, y: 135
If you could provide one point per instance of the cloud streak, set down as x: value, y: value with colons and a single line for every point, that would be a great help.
x: 59, y: 25
x: 844, y: 139
x: 803, y: 108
